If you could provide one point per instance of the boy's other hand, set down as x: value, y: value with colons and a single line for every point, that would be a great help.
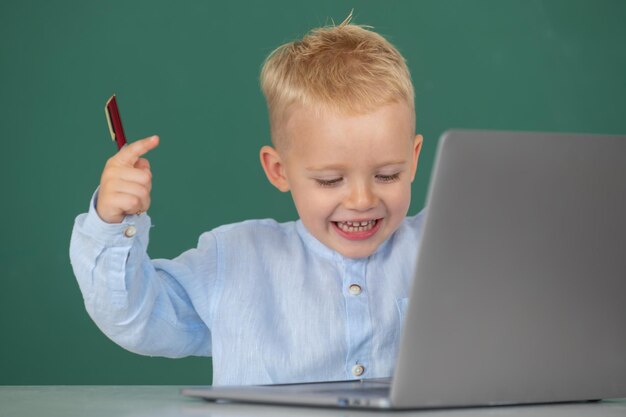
x: 126, y: 182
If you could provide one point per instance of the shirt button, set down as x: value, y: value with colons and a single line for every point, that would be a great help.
x: 354, y: 289
x: 130, y: 231
x: 357, y: 370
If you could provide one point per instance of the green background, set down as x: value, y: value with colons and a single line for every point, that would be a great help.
x: 188, y: 71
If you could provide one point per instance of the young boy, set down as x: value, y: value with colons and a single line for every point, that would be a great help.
x: 321, y: 298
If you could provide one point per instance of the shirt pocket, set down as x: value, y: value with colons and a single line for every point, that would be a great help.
x: 402, y: 305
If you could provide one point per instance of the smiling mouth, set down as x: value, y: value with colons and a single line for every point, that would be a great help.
x: 355, y: 227
x: 357, y: 230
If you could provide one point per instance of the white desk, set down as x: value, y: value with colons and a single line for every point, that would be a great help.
x: 165, y: 401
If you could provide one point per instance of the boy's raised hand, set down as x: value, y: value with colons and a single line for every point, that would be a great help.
x: 126, y: 182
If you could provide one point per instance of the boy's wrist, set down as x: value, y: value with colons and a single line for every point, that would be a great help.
x: 114, y: 234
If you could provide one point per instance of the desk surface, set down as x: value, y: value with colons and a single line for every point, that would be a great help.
x: 165, y: 401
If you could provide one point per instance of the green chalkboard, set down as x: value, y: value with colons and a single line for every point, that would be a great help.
x: 189, y: 72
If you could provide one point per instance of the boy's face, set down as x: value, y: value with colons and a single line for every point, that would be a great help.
x: 349, y: 176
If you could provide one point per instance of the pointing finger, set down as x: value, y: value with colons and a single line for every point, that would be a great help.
x: 129, y: 154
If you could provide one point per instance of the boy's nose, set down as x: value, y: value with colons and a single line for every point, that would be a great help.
x: 361, y: 198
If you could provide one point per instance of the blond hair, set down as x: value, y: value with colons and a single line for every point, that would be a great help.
x: 346, y: 68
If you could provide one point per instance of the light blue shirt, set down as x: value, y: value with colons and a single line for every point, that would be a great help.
x: 267, y: 300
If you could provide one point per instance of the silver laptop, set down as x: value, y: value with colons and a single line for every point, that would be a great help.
x: 519, y: 294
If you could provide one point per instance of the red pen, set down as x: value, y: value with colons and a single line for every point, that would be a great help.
x: 115, y: 122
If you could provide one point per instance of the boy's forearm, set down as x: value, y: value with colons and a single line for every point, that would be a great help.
x: 123, y: 291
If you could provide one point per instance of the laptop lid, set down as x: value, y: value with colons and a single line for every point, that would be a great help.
x: 521, y: 276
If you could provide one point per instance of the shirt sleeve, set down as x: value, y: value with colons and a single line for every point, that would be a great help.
x: 143, y: 305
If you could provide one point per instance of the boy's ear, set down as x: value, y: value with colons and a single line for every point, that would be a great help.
x: 417, y: 148
x: 274, y: 168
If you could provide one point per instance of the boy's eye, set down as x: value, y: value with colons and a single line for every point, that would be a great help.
x: 328, y: 183
x: 388, y: 178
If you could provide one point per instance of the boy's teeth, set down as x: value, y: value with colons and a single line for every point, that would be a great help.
x: 356, y: 226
